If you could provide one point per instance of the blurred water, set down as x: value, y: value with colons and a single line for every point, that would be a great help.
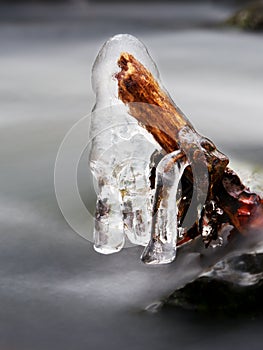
x: 56, y: 292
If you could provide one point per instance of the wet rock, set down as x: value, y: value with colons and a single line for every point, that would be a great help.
x: 249, y: 17
x: 232, y: 288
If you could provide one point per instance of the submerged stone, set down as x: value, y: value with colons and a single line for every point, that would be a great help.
x: 232, y: 288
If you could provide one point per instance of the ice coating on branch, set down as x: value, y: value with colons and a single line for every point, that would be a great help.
x: 120, y: 155
x: 121, y: 161
x: 105, y: 67
x: 166, y: 225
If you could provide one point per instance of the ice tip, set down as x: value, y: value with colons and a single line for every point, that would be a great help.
x: 122, y: 36
x: 105, y: 64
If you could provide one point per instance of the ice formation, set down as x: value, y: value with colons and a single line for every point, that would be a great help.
x: 120, y: 156
x: 162, y: 245
x: 157, y: 178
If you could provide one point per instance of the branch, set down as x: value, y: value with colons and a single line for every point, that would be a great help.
x: 156, y: 112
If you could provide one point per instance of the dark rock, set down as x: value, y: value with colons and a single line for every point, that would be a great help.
x: 249, y: 17
x: 212, y: 294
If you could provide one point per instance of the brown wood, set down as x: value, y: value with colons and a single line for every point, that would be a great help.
x: 155, y: 110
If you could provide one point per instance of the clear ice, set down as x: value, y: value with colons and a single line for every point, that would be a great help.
x: 120, y: 156
x: 128, y: 209
x: 162, y: 245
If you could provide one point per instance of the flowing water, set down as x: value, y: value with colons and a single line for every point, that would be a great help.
x: 56, y: 291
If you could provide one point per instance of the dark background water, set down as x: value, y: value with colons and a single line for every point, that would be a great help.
x: 55, y: 291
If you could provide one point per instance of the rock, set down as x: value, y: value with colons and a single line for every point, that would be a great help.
x: 249, y: 17
x: 234, y: 289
